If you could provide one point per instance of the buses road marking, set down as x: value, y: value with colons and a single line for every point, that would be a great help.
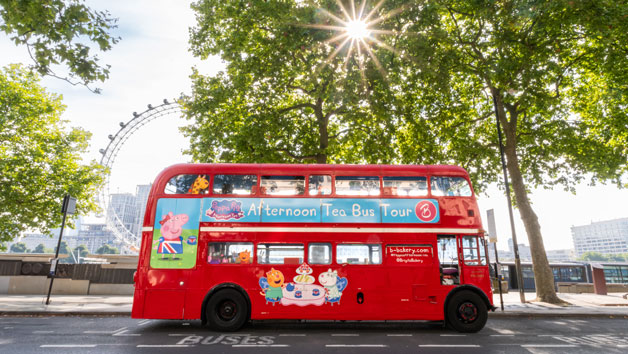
x: 356, y: 345
x: 68, y: 346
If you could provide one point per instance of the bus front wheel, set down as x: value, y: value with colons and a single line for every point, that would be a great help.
x: 226, y: 311
x: 466, y: 312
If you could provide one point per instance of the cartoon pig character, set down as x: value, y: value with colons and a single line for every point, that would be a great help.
x: 334, y: 285
x: 171, y: 241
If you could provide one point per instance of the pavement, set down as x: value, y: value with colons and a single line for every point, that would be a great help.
x: 582, y: 305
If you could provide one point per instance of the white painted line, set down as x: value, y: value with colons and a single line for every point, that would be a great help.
x: 356, y: 345
x: 380, y: 230
x: 40, y: 332
x: 502, y: 335
x: 68, y: 346
x: 259, y: 345
x: 399, y: 335
x: 122, y: 334
x: 453, y: 335
x: 163, y: 346
x: 622, y: 345
x: 180, y: 335
x: 449, y: 346
x: 106, y: 332
x: 550, y: 335
x: 185, y: 324
x: 292, y: 335
x: 143, y: 322
x: 8, y: 327
x: 345, y: 335
x: 549, y: 346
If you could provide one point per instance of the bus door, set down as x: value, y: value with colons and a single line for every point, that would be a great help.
x: 473, y: 261
x: 413, y: 284
x: 448, y: 262
x: 173, y: 253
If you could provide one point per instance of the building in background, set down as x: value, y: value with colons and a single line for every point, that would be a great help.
x: 606, y: 237
x: 561, y: 255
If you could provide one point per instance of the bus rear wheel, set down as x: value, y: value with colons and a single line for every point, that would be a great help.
x: 226, y: 311
x: 466, y: 312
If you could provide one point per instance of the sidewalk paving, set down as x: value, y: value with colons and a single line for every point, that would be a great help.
x: 66, y: 305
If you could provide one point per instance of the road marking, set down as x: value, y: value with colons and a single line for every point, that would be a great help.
x: 40, y: 332
x: 399, y: 335
x: 345, y: 335
x: 180, y: 335
x: 356, y: 345
x: 550, y: 335
x: 67, y: 346
x: 453, y: 335
x: 8, y: 327
x: 549, y: 346
x: 449, y: 346
x: 292, y: 335
x: 143, y: 322
x: 122, y: 334
x: 186, y: 324
x: 259, y: 345
x: 163, y: 346
x: 622, y: 346
x: 502, y: 335
x: 503, y: 331
x: 106, y: 332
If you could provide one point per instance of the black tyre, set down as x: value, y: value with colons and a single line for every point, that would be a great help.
x: 227, y: 311
x: 466, y: 312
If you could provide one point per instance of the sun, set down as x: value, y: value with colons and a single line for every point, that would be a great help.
x: 357, y: 29
x: 357, y: 33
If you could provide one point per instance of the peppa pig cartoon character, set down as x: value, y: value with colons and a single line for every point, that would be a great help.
x: 171, y: 241
x: 334, y: 285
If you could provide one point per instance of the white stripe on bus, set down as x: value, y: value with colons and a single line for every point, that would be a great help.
x: 338, y: 229
x: 147, y: 228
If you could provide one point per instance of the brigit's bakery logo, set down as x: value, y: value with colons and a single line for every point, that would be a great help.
x: 426, y: 211
x: 225, y: 210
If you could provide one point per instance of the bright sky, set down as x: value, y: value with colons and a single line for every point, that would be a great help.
x: 152, y: 62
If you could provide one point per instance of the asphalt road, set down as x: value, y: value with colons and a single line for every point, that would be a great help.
x: 23, y: 335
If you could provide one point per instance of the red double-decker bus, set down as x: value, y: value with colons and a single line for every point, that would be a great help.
x: 229, y: 243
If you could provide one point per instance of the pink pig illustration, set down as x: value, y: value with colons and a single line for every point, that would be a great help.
x: 171, y: 241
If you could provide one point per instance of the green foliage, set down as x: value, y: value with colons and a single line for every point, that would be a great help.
x: 280, y: 99
x: 19, y: 247
x: 106, y: 249
x: 41, y: 248
x: 39, y: 158
x: 65, y: 249
x: 58, y: 32
x: 597, y: 256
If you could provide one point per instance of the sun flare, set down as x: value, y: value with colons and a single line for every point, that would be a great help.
x: 357, y: 29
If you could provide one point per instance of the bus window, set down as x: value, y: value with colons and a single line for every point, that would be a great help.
x: 280, y: 253
x: 230, y: 253
x: 470, y: 250
x: 450, y: 186
x: 187, y: 184
x: 405, y: 186
x: 359, y: 254
x: 353, y: 185
x: 319, y: 184
x: 283, y: 185
x: 234, y: 184
x: 319, y: 253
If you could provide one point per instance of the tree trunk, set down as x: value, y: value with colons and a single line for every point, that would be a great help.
x: 543, y: 275
x: 321, y: 156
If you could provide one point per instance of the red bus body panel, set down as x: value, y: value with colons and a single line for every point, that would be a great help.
x: 392, y: 290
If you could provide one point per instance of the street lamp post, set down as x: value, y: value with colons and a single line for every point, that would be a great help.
x: 68, y: 207
x: 515, y: 246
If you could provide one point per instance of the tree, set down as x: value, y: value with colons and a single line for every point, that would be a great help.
x: 557, y: 72
x: 282, y: 98
x: 39, y: 157
x: 593, y: 256
x: 81, y: 250
x: 19, y: 247
x: 41, y: 248
x: 106, y: 249
x: 558, y: 76
x: 60, y: 32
